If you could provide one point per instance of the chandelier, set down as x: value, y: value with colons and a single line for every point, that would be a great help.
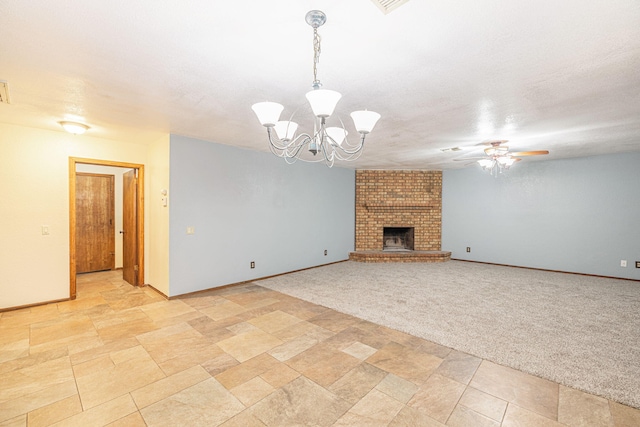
x: 326, y: 143
x: 498, y: 161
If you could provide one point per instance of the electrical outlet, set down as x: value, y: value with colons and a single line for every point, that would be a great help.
x: 623, y: 263
x: 191, y: 230
x: 253, y: 264
x: 468, y: 249
x: 45, y: 230
x: 637, y: 264
x: 325, y: 252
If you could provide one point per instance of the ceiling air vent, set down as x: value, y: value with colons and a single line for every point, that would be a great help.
x: 387, y: 6
x: 4, y: 92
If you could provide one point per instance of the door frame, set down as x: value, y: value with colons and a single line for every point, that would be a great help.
x: 73, y: 161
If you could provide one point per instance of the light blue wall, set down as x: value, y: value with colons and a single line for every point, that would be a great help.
x: 251, y: 206
x: 575, y: 215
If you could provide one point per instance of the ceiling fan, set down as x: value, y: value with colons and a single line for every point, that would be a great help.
x: 498, y: 157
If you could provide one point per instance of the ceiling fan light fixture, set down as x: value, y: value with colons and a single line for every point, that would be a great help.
x: 504, y: 160
x: 486, y: 163
x: 499, y: 158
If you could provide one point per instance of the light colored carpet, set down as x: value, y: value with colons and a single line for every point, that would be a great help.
x: 580, y: 331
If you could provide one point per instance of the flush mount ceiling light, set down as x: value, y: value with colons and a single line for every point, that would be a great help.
x: 331, y: 142
x: 74, y: 127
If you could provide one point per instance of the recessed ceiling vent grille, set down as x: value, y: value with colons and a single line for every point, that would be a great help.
x: 387, y: 6
x: 4, y: 92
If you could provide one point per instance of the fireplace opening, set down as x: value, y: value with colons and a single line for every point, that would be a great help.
x: 397, y: 239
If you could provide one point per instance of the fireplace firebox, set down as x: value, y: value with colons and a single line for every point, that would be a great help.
x: 397, y: 239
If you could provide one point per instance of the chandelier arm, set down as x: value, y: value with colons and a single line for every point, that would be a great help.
x: 325, y: 148
x: 285, y: 152
x: 291, y: 160
x: 278, y: 152
x: 330, y: 152
x: 348, y: 148
x: 356, y: 148
x: 292, y: 154
x: 328, y: 158
x: 329, y: 163
x: 352, y: 147
x: 272, y: 143
x: 298, y: 141
x: 349, y: 157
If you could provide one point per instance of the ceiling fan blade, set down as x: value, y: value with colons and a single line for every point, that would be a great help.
x: 469, y: 158
x: 530, y: 153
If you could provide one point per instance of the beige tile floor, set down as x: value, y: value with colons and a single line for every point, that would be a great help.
x: 248, y: 356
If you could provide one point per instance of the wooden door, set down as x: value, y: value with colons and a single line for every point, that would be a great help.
x: 129, y: 228
x: 95, y: 232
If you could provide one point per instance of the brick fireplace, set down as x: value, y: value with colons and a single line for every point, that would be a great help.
x: 398, y: 200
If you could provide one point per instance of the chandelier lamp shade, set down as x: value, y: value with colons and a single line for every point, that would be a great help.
x: 326, y: 143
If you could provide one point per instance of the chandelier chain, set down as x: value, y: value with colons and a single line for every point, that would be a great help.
x: 316, y: 56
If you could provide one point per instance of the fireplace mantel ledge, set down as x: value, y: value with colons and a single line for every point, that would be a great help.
x: 397, y: 206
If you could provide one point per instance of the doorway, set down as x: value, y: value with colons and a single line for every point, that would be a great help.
x: 132, y: 225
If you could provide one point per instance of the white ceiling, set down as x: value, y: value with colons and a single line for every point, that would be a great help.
x: 556, y: 75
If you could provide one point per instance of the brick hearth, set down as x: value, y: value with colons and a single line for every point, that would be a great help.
x: 408, y: 256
